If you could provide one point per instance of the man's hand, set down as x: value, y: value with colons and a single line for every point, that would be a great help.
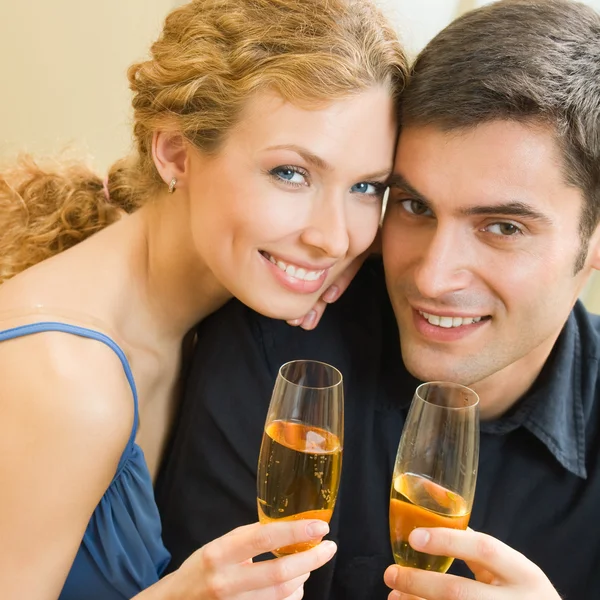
x: 501, y: 573
x: 336, y: 289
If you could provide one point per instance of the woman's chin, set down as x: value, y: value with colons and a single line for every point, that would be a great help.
x: 284, y: 311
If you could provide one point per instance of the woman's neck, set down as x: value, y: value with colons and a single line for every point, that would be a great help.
x: 176, y: 287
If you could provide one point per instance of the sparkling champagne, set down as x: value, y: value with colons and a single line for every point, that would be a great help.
x: 419, y: 502
x: 299, y: 473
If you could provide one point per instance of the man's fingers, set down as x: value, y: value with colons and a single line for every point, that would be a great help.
x: 433, y: 586
x: 475, y: 548
x: 251, y: 540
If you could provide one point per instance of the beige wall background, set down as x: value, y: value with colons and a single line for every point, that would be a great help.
x: 63, y: 71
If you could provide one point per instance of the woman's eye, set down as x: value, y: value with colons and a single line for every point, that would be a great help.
x: 289, y: 175
x: 415, y: 207
x: 504, y: 229
x: 372, y: 189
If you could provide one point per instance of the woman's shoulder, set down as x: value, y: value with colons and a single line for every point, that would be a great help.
x: 61, y: 343
x: 67, y: 414
x: 84, y: 283
x: 52, y: 365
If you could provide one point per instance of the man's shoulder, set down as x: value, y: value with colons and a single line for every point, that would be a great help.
x: 362, y: 318
x: 586, y: 361
x: 588, y: 330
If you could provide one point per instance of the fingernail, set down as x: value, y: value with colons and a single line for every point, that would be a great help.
x: 419, y: 538
x: 309, y: 320
x: 331, y: 294
x: 317, y: 529
x: 328, y: 548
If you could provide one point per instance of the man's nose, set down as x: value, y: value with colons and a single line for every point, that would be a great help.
x: 444, y: 265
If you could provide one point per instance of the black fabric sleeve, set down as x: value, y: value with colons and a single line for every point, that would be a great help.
x: 207, y: 484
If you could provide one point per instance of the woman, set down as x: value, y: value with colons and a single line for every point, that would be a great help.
x: 265, y: 132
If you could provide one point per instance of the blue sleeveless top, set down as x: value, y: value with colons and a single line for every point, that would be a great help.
x: 122, y: 552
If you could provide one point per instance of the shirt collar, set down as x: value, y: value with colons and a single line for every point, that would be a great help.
x: 553, y: 410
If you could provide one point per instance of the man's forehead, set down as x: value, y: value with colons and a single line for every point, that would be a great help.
x: 498, y: 138
x: 498, y: 162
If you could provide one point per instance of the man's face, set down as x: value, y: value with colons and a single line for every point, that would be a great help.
x: 480, y: 242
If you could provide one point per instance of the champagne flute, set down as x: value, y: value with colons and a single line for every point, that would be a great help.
x: 301, y: 452
x: 436, y: 469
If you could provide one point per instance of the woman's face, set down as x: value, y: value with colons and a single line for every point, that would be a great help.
x: 292, y: 197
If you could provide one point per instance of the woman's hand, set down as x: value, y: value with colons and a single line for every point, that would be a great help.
x: 501, y: 573
x: 223, y: 569
x: 336, y: 289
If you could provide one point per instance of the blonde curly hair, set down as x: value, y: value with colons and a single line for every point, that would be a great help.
x: 211, y: 56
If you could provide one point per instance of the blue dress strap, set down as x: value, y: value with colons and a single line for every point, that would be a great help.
x: 45, y: 326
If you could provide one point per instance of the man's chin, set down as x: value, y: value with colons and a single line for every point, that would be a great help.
x: 435, y: 368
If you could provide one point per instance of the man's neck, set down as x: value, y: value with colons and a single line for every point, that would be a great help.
x: 499, y: 392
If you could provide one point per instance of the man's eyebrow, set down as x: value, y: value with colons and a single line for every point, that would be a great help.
x: 509, y: 209
x: 397, y: 181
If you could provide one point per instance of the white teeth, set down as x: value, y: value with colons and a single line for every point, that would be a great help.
x: 448, y: 322
x: 296, y: 272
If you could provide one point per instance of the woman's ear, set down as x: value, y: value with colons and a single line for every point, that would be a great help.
x: 170, y: 156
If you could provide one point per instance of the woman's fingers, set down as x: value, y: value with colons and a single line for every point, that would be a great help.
x: 251, y: 540
x: 331, y: 294
x: 282, y: 575
x: 223, y: 569
x: 297, y: 595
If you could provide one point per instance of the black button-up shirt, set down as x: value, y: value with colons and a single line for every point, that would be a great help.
x: 538, y: 487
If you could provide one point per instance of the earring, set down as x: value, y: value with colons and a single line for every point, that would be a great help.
x: 172, y: 185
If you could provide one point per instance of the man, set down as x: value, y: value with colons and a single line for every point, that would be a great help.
x: 490, y: 234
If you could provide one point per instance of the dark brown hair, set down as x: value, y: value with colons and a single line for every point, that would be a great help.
x: 534, y: 61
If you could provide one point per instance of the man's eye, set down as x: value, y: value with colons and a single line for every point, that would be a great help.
x: 415, y: 207
x: 504, y: 229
